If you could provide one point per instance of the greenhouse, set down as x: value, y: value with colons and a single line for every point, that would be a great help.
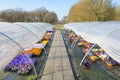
x: 38, y: 51
x: 96, y: 44
x: 19, y: 41
x: 105, y: 34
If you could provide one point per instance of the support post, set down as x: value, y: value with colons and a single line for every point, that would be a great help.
x: 84, y: 59
x: 74, y: 42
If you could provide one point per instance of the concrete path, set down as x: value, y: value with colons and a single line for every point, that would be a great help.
x: 58, y: 66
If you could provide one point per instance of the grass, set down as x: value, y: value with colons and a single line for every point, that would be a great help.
x: 59, y: 26
x: 31, y: 77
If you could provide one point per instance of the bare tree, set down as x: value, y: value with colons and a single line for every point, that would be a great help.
x: 40, y: 14
x: 50, y: 17
x: 20, y: 15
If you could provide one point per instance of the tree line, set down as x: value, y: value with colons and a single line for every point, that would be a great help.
x: 93, y: 10
x: 20, y: 15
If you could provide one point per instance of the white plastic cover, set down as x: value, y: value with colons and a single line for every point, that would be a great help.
x: 8, y: 50
x: 17, y: 36
x: 37, y: 31
x: 111, y: 44
x: 105, y: 34
x: 40, y: 45
x: 95, y: 33
x: 46, y: 26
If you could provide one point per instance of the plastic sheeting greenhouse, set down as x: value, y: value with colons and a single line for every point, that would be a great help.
x: 105, y: 34
x: 19, y: 36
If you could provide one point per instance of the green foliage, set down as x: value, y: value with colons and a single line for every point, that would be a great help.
x: 59, y: 26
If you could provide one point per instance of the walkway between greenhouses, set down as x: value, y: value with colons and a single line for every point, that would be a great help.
x: 58, y: 66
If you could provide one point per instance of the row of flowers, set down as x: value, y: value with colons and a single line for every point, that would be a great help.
x: 23, y: 62
x: 95, y: 54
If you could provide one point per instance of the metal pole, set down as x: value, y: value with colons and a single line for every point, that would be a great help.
x: 84, y: 59
x: 22, y: 49
x: 33, y: 67
x: 44, y: 49
x: 75, y: 43
x: 72, y: 43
